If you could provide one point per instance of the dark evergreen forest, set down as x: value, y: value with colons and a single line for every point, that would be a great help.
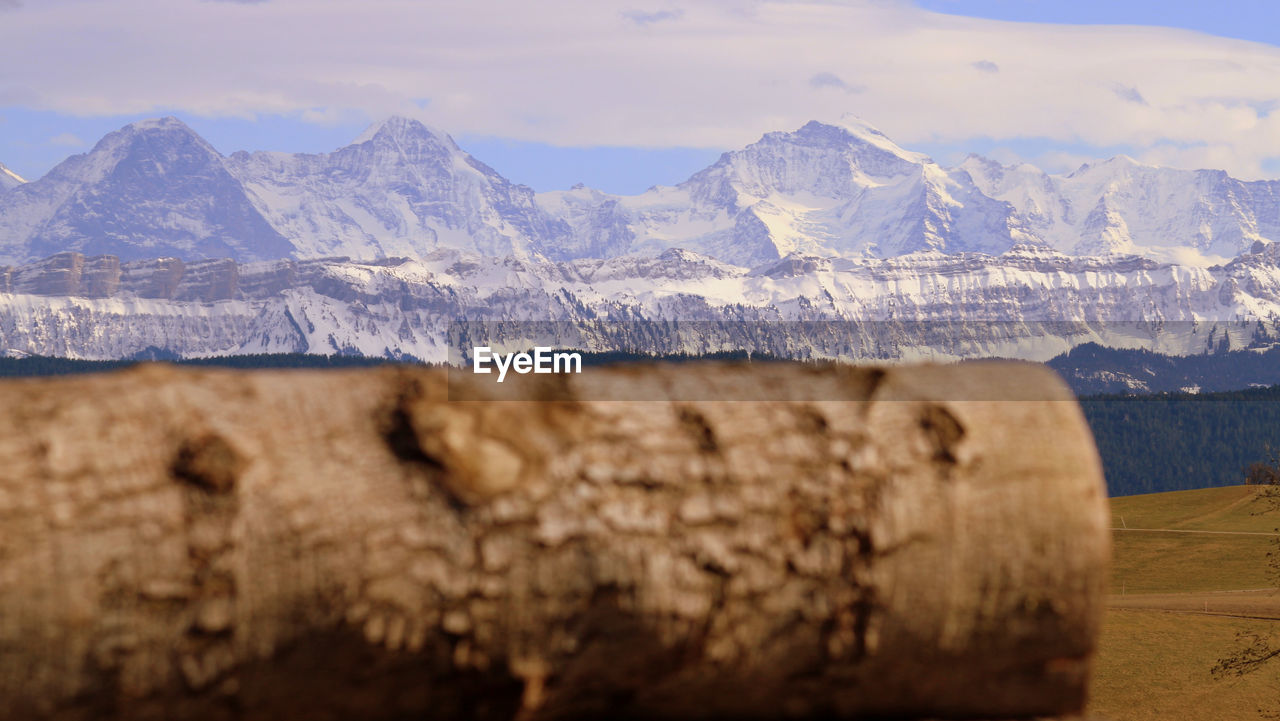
x: 1178, y: 441
x: 42, y: 366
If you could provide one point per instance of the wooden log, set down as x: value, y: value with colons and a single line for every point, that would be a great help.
x: 204, y: 544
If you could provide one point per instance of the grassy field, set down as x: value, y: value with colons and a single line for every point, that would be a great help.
x: 1184, y: 583
x: 1154, y: 666
x: 1234, y: 508
x: 1167, y: 562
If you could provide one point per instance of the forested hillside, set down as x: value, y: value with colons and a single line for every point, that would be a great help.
x: 1091, y: 368
x: 1179, y: 441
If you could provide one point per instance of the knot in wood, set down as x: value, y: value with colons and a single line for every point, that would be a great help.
x: 209, y: 463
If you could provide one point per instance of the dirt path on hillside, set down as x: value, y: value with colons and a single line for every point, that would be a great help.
x: 1243, y: 500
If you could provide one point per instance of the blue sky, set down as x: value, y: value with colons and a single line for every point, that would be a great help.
x: 1256, y: 20
x: 624, y: 95
x: 33, y: 141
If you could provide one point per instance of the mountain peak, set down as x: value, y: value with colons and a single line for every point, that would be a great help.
x: 399, y: 128
x: 984, y: 171
x: 976, y: 160
x: 856, y: 125
x: 871, y: 135
x: 851, y: 131
x: 168, y: 122
x: 1112, y: 165
x: 126, y: 140
x: 1118, y: 162
x: 865, y: 148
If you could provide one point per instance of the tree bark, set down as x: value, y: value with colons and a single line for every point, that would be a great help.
x: 204, y: 544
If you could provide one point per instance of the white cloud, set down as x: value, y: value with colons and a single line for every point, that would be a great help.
x: 703, y: 73
x: 1214, y: 157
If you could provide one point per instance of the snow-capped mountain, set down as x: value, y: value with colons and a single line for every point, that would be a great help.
x: 1027, y: 302
x: 832, y: 190
x: 155, y: 188
x: 9, y: 179
x: 844, y: 190
x: 401, y: 189
x: 1122, y: 206
x: 152, y: 188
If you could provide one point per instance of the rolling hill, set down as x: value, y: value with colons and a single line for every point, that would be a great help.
x: 1189, y: 581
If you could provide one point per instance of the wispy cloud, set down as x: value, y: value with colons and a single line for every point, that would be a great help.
x: 10, y: 4
x: 1129, y: 94
x: 639, y: 17
x: 718, y: 74
x: 831, y: 80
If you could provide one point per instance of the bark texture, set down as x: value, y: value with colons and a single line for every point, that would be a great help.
x: 203, y: 544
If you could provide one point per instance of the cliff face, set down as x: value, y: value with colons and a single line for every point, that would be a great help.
x: 1025, y: 303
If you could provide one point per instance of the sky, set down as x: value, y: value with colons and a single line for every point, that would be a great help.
x: 625, y: 94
